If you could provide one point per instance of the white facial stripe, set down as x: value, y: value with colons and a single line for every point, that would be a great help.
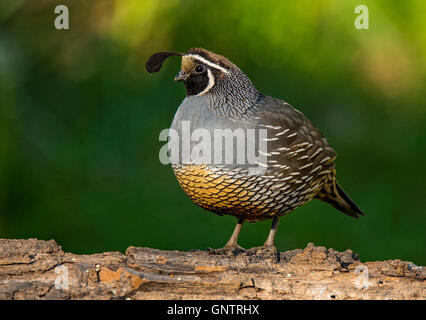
x: 209, y: 85
x: 207, y: 62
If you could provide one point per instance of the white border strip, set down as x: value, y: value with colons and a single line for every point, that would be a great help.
x: 209, y: 85
x: 207, y: 62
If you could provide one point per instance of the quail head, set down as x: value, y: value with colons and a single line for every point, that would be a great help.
x: 294, y: 161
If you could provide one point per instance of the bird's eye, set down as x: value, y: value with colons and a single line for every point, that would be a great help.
x: 200, y: 68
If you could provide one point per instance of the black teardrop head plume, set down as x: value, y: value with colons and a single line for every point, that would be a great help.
x: 155, y: 62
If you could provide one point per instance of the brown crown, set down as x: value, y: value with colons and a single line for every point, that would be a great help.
x: 213, y: 57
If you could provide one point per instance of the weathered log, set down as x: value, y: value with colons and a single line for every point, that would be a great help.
x: 36, y: 269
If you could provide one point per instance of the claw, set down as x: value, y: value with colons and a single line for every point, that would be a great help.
x: 264, y: 252
x: 226, y: 250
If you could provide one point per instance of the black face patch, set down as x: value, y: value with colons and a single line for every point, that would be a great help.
x: 196, y: 83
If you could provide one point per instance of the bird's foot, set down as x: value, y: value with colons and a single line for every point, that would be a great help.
x: 227, y: 250
x: 264, y: 252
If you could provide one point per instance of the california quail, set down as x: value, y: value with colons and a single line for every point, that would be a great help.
x: 298, y: 164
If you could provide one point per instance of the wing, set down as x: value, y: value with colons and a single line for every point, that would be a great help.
x: 299, y: 158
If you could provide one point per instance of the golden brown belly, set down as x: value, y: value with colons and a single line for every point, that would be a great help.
x: 250, y: 198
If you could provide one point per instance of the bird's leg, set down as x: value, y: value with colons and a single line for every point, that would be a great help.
x: 231, y: 247
x: 234, y: 237
x: 270, y: 240
x: 268, y: 249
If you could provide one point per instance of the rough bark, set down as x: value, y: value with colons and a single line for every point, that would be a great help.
x: 36, y: 269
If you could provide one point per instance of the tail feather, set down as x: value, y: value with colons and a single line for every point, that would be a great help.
x: 341, y: 201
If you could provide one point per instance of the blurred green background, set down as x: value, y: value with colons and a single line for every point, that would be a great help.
x: 80, y: 119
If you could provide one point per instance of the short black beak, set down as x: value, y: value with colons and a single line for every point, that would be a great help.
x: 181, y: 76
